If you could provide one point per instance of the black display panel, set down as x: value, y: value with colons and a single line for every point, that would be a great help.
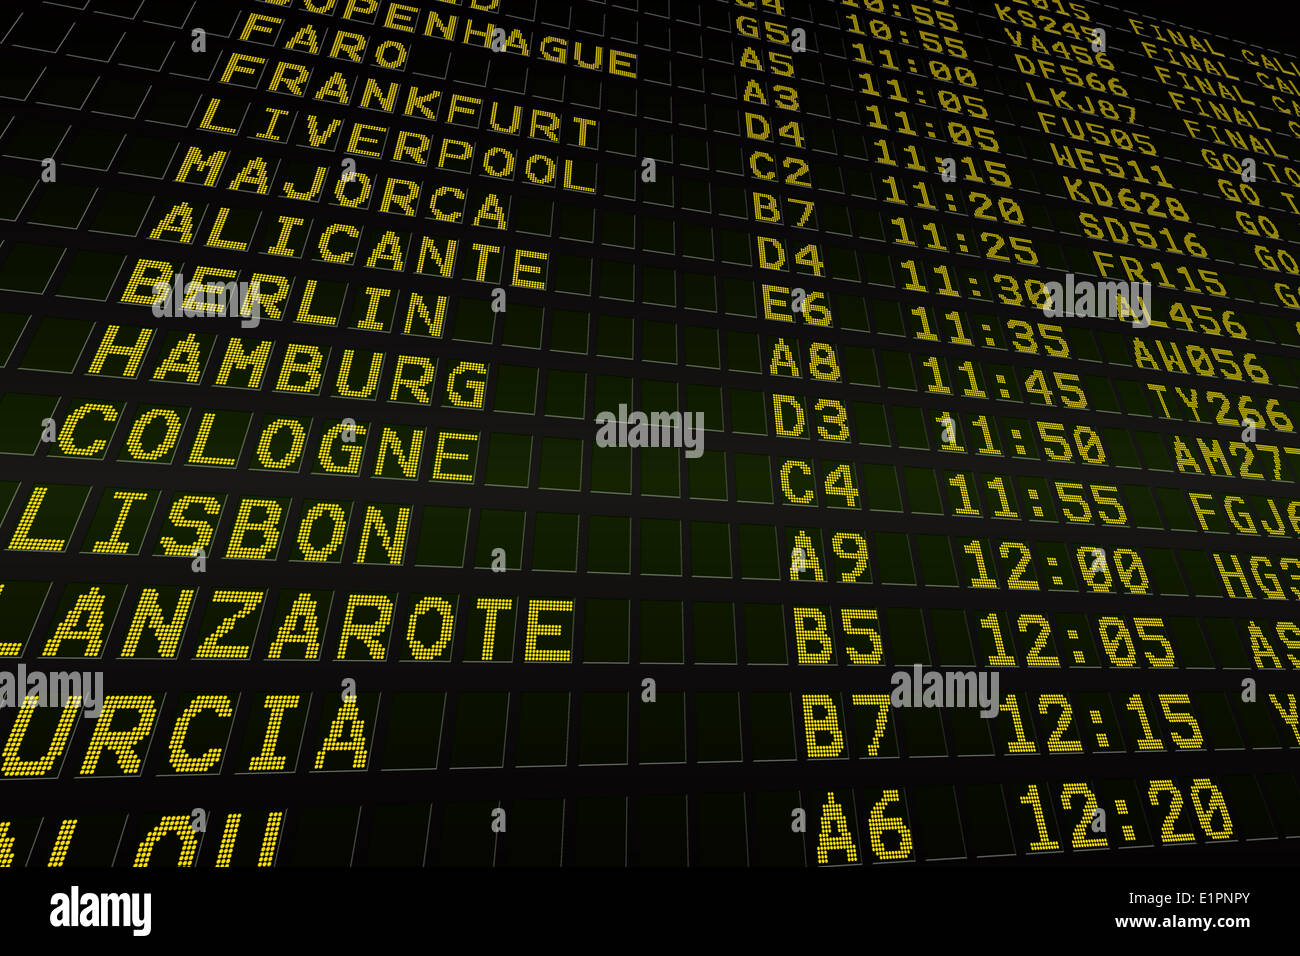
x: 648, y: 434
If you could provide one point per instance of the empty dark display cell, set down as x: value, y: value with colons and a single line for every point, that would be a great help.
x: 721, y: 828
x: 321, y: 836
x: 479, y: 730
x: 988, y: 831
x: 392, y: 835
x: 464, y: 835
x: 941, y: 837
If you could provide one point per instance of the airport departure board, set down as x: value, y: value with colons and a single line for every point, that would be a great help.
x: 649, y: 433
